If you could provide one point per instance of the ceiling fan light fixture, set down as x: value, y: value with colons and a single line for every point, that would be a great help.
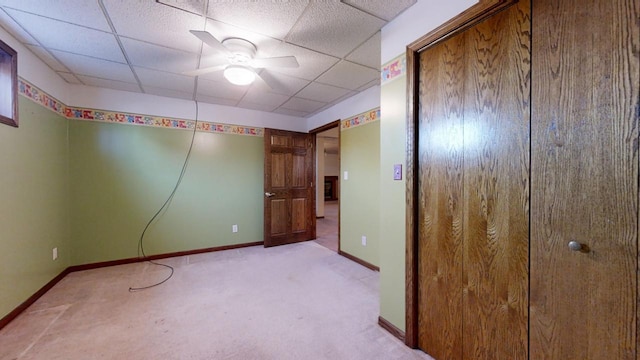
x: 239, y: 75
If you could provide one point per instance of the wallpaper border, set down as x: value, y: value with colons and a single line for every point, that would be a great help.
x: 360, y: 119
x: 40, y: 97
x: 394, y: 69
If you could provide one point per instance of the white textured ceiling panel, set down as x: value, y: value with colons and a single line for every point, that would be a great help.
x: 348, y: 75
x: 312, y: 63
x: 322, y: 92
x: 384, y: 9
x: 271, y: 18
x: 83, y: 65
x: 155, y: 23
x: 45, y: 56
x: 168, y: 93
x: 158, y: 57
x: 192, y: 6
x: 221, y: 89
x: 256, y: 95
x: 336, y: 44
x: 302, y: 105
x: 14, y: 29
x: 367, y: 54
x: 165, y: 80
x: 109, y: 84
x: 216, y: 100
x: 80, y: 12
x: 333, y: 28
x: 68, y: 37
x: 69, y: 77
x: 290, y: 112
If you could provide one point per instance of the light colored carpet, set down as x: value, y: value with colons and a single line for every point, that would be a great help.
x: 298, y: 301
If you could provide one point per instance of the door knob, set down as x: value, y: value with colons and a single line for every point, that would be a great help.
x: 268, y: 194
x: 576, y: 246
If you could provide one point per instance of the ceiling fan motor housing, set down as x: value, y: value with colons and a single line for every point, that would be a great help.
x: 243, y: 51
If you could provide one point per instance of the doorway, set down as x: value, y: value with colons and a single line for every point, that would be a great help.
x: 328, y: 189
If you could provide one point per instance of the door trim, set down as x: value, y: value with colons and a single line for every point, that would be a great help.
x: 331, y: 125
x: 475, y: 14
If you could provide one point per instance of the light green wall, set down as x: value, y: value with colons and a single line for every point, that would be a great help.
x: 121, y: 175
x: 360, y: 194
x: 33, y: 203
x: 392, y: 195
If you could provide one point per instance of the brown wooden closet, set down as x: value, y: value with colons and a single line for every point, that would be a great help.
x: 522, y: 228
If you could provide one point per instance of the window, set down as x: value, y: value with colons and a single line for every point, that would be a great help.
x: 8, y: 85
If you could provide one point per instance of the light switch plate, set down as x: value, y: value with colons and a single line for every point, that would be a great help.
x: 397, y: 172
x: 346, y: 175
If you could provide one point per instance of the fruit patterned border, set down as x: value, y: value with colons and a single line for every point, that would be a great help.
x: 361, y: 119
x: 394, y: 69
x: 38, y: 96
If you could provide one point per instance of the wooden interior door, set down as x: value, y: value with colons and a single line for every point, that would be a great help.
x: 473, y: 185
x: 289, y: 189
x: 585, y: 106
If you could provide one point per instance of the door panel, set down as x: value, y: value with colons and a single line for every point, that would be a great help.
x: 585, y: 172
x: 474, y: 190
x: 289, y: 191
x: 496, y: 186
x: 440, y: 182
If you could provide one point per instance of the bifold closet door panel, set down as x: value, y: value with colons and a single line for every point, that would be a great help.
x: 496, y: 186
x: 584, y: 205
x: 440, y: 183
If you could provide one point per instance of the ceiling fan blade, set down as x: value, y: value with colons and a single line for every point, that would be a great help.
x: 214, y: 43
x: 282, y: 62
x: 269, y: 80
x: 205, y: 70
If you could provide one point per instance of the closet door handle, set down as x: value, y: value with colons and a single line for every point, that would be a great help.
x: 576, y: 246
x: 268, y: 194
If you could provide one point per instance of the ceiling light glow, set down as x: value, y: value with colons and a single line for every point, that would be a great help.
x: 239, y: 75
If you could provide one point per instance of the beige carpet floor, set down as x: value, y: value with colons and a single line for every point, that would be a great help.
x: 327, y: 227
x: 298, y: 301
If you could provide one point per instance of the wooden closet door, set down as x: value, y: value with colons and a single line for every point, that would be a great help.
x: 585, y: 114
x: 473, y: 179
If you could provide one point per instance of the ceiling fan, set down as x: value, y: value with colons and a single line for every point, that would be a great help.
x: 241, y: 63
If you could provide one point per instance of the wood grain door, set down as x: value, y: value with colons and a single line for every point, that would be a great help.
x: 585, y: 106
x: 473, y: 181
x: 289, y: 199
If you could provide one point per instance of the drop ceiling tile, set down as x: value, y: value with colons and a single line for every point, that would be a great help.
x: 348, y: 75
x: 84, y: 65
x: 258, y: 95
x: 221, y: 89
x: 69, y: 77
x: 80, y: 12
x: 369, y: 84
x: 302, y: 105
x: 167, y: 92
x: 252, y: 106
x: 15, y: 29
x: 48, y: 59
x: 165, y: 80
x: 291, y: 112
x: 271, y: 18
x: 158, y: 57
x: 312, y: 63
x: 192, y: 6
x: 384, y: 9
x: 109, y: 84
x: 54, y: 34
x: 367, y: 54
x: 328, y: 27
x: 321, y: 92
x: 215, y: 100
x: 156, y: 23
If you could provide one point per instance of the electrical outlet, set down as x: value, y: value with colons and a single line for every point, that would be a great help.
x: 55, y: 253
x: 364, y: 240
x: 234, y: 228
